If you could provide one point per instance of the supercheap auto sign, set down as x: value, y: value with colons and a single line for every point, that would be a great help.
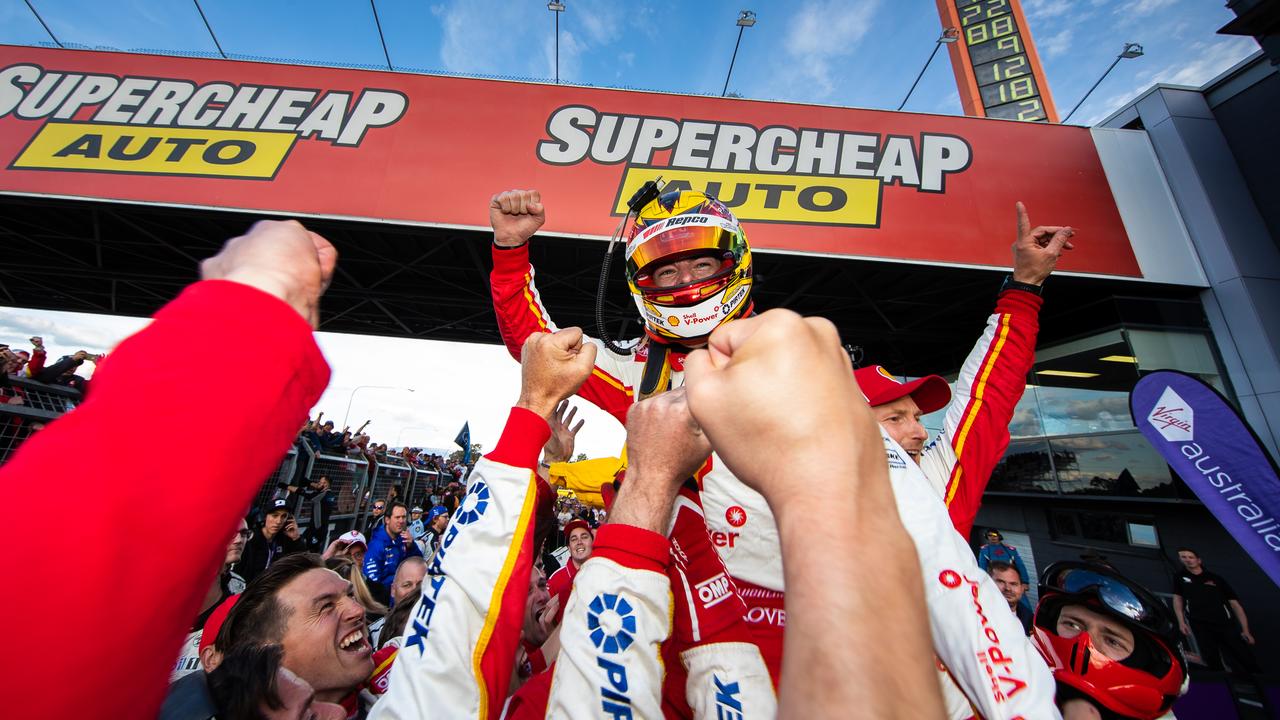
x: 431, y: 150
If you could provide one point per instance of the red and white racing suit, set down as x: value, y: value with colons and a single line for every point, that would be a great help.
x: 986, y: 653
x: 460, y: 641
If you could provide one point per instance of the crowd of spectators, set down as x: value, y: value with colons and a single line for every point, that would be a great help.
x: 425, y: 612
x: 33, y: 365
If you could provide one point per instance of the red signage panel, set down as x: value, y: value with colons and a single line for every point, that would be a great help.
x: 423, y: 149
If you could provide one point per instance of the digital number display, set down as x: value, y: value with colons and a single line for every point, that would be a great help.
x: 1007, y: 84
x: 1032, y: 109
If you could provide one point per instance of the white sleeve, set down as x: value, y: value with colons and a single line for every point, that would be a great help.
x: 974, y: 634
x: 617, y: 617
x: 459, y: 644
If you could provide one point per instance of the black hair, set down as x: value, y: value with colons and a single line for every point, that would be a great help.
x: 245, y: 681
x: 398, y: 618
x: 1187, y: 549
x: 258, y: 617
x: 1001, y: 566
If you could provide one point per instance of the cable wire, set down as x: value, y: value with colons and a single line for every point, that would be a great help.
x: 381, y: 39
x: 42, y: 23
x: 209, y: 27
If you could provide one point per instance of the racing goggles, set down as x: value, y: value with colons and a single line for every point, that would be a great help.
x: 676, y: 238
x: 1117, y: 594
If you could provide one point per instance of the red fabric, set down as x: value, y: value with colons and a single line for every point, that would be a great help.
x: 148, y: 573
x: 522, y: 438
x: 530, y: 701
x: 1012, y: 353
x: 559, y: 585
x: 520, y: 315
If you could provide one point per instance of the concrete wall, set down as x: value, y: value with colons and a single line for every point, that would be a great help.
x: 1241, y: 258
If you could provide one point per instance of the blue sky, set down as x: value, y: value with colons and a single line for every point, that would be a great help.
x: 861, y: 53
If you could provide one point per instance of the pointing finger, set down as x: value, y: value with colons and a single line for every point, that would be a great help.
x: 1024, y: 223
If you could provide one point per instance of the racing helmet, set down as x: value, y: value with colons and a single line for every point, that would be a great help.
x: 679, y: 225
x: 1142, y: 685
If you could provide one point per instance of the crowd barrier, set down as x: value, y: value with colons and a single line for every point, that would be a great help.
x: 41, y: 404
x: 387, y: 472
x: 426, y: 486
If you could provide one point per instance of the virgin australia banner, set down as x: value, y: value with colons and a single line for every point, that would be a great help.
x: 1217, y: 455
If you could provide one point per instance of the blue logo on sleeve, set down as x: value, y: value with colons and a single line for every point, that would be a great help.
x: 474, y: 504
x: 612, y: 623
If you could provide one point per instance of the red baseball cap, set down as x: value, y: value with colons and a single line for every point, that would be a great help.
x: 879, y: 387
x: 575, y: 524
x: 214, y: 622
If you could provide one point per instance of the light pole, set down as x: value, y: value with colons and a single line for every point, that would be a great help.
x: 362, y: 387
x: 746, y: 19
x: 556, y: 8
x: 948, y: 36
x: 1131, y: 50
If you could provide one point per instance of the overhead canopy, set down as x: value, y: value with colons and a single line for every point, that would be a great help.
x: 120, y: 171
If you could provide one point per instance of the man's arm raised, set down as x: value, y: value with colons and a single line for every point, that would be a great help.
x: 618, y: 664
x: 993, y: 377
x: 814, y: 425
x: 461, y: 638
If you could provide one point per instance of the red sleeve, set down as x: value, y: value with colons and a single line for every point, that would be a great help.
x: 520, y: 313
x: 523, y: 436
x: 36, y: 363
x: 157, y: 534
x: 982, y: 434
x: 515, y: 298
x: 632, y: 547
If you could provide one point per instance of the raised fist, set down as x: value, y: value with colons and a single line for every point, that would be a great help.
x: 281, y: 258
x: 552, y: 367
x: 515, y: 216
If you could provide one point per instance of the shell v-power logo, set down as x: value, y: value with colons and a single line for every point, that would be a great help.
x: 170, y: 126
x: 773, y: 173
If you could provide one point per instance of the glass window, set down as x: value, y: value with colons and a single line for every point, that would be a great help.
x: 1072, y: 411
x: 1185, y: 351
x: 1024, y: 468
x: 1026, y: 416
x: 1121, y: 464
x: 1143, y: 535
x: 1064, y: 524
x: 1102, y: 526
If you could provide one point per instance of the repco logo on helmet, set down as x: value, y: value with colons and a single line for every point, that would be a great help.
x: 173, y: 126
x: 777, y: 173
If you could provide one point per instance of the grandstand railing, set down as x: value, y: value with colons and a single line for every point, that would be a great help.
x: 388, y: 472
x: 425, y: 485
x: 41, y: 404
x: 348, y: 479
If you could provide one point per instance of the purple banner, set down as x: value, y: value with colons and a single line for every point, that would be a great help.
x: 1217, y: 455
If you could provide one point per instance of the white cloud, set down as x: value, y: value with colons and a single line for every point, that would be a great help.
x: 819, y: 33
x: 1055, y: 45
x: 453, y: 382
x: 1146, y: 7
x: 501, y: 38
x: 1047, y: 9
x: 1206, y: 61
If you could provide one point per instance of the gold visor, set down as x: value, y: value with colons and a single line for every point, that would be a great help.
x: 672, y: 244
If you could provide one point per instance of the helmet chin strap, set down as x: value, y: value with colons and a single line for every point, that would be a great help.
x: 657, y: 371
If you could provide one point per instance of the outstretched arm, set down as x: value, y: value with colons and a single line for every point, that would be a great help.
x: 994, y: 375
x: 815, y: 424
x: 619, y: 610
x: 262, y: 289
x: 515, y: 216
x: 461, y: 639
